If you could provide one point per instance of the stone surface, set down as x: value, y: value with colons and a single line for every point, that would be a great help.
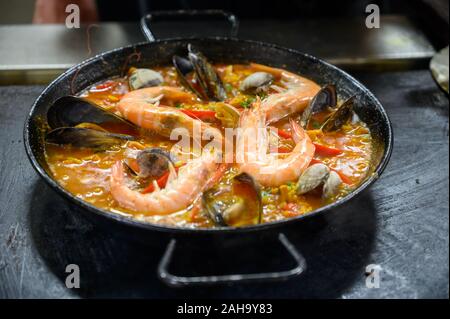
x: 400, y: 223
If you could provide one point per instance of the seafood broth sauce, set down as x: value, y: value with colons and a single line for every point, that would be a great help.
x: 340, y: 160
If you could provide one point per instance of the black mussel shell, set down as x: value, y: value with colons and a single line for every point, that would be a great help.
x: 70, y: 111
x: 341, y: 116
x: 84, y: 137
x: 184, y: 67
x: 153, y: 162
x: 237, y: 204
x: 207, y: 77
x: 325, y: 98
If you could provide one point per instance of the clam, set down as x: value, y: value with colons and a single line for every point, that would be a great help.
x: 331, y: 185
x: 340, y: 116
x: 207, y: 77
x: 70, y: 111
x: 85, y: 137
x: 143, y: 78
x: 312, y: 177
x: 256, y: 82
x: 319, y: 175
x: 326, y: 97
x: 235, y: 204
x: 153, y: 162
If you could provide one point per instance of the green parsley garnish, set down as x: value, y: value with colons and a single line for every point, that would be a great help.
x: 315, y: 125
x: 228, y: 87
x: 247, y: 102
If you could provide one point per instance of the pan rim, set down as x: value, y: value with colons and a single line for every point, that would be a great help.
x: 133, y: 222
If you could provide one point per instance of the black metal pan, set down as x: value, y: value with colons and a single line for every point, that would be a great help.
x: 217, y: 49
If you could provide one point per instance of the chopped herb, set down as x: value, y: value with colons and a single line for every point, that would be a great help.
x: 262, y: 95
x: 178, y: 105
x: 228, y: 87
x: 247, y: 102
x: 315, y: 125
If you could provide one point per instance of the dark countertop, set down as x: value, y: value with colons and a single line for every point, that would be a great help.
x: 401, y: 223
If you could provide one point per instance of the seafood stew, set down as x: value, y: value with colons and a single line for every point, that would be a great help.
x: 298, y: 147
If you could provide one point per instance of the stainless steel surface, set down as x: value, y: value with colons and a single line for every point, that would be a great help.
x: 38, y: 53
x: 348, y: 42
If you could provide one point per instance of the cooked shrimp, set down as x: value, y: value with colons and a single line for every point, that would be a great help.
x: 293, y: 98
x: 180, y: 192
x: 270, y: 169
x: 167, y: 95
x: 151, y: 108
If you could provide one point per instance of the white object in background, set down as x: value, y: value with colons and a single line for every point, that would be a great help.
x: 439, y: 68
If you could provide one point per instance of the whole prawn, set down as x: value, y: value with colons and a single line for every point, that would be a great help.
x: 152, y: 108
x: 293, y: 98
x: 182, y: 189
x: 269, y: 169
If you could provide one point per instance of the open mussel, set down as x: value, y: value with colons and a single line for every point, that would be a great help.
x: 207, y: 77
x: 210, y: 83
x: 153, y: 162
x: 69, y: 111
x: 143, y: 78
x: 325, y: 98
x: 257, y: 82
x: 85, y: 137
x: 78, y: 122
x: 340, y: 116
x: 319, y: 175
x: 235, y: 204
x: 184, y: 67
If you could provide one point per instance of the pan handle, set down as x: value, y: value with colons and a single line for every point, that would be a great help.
x: 190, y: 14
x: 181, y: 281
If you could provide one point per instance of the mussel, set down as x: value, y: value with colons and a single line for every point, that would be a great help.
x: 80, y: 123
x: 85, y: 137
x: 153, y: 162
x: 326, y: 97
x: 319, y: 175
x: 143, y: 78
x: 340, y: 116
x: 256, y: 82
x: 70, y: 111
x: 235, y: 204
x: 205, y: 75
x: 184, y: 67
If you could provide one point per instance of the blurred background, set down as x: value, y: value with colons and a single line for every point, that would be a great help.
x: 35, y: 44
x: 45, y: 11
